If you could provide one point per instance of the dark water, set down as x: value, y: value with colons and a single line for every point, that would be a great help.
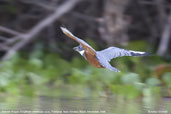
x: 101, y: 105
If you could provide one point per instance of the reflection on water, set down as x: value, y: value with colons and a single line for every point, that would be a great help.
x: 110, y: 105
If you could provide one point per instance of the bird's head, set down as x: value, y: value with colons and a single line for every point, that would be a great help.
x: 80, y: 49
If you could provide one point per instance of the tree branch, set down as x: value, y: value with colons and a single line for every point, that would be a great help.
x: 10, y: 31
x: 59, y: 11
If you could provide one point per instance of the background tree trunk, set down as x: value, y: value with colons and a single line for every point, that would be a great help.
x: 115, y: 23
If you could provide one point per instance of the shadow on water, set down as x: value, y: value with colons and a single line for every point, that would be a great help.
x: 69, y: 105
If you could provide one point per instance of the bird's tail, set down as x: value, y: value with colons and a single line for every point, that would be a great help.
x: 139, y: 53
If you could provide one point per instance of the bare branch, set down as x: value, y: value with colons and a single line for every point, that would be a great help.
x: 52, y: 8
x: 3, y: 47
x: 10, y: 31
x: 13, y: 39
x: 45, y: 6
x: 3, y: 38
x: 59, y: 11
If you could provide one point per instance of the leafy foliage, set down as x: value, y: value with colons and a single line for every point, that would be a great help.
x: 44, y: 73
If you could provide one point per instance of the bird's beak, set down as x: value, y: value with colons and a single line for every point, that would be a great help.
x: 75, y: 48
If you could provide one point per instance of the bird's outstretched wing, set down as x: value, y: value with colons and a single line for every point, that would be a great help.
x: 105, y: 63
x: 70, y: 35
x: 113, y: 52
x: 86, y: 46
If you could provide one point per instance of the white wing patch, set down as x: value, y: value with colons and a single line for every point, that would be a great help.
x: 82, y: 52
x: 138, y: 52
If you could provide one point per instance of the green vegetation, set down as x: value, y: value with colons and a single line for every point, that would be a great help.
x: 43, y: 73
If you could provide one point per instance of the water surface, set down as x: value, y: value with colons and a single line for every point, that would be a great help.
x: 72, y: 105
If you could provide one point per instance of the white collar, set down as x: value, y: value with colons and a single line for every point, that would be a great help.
x: 82, y: 52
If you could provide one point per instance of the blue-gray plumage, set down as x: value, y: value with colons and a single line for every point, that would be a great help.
x: 106, y: 55
x: 113, y: 52
x: 101, y: 58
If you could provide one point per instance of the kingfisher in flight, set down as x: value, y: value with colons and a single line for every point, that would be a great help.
x: 100, y: 59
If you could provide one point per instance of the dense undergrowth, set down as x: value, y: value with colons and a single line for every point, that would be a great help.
x: 44, y: 73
